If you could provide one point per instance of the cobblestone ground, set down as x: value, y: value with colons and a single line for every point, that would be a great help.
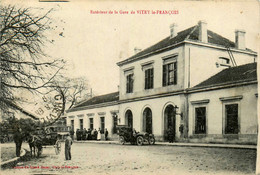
x: 91, y: 158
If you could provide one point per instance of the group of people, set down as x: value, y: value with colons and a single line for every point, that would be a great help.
x: 89, y: 134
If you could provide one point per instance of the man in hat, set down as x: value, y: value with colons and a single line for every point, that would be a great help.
x: 68, y: 143
x: 18, y: 139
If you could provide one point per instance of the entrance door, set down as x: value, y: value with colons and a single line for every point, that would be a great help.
x: 169, y: 121
x: 129, y: 118
x: 147, y: 122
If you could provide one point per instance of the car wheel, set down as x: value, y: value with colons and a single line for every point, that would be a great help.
x: 151, y: 141
x: 122, y: 140
x: 139, y: 140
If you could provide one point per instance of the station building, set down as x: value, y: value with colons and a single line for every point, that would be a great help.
x: 196, y: 82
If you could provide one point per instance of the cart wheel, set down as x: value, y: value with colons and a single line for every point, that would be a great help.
x: 139, y: 140
x: 57, y: 147
x: 151, y: 140
x: 122, y: 140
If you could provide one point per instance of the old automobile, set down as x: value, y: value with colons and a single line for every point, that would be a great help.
x: 128, y: 134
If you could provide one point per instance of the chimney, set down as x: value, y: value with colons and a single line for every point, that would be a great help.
x: 136, y: 50
x: 173, y: 32
x: 240, y: 39
x: 203, y: 31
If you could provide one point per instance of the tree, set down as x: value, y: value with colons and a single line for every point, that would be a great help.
x: 72, y: 89
x: 24, y: 64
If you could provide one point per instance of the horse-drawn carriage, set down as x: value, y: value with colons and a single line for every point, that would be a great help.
x: 128, y: 134
x: 48, y: 136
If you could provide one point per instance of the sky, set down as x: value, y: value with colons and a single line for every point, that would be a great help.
x: 92, y: 44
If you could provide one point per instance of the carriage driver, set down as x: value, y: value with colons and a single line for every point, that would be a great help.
x: 18, y: 139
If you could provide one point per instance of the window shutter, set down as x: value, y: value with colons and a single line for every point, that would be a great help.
x: 151, y: 78
x: 146, y: 79
x: 127, y: 84
x: 175, y: 73
x: 131, y: 83
x: 164, y: 74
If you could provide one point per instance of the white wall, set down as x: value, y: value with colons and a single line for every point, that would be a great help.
x: 215, y: 115
x: 203, y: 61
x: 138, y: 90
x: 157, y: 105
x: 105, y: 112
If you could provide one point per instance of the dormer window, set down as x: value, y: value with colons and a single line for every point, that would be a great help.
x: 223, y: 61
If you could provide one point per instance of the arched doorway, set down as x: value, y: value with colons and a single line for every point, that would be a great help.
x: 147, y: 120
x: 169, y: 121
x: 129, y: 118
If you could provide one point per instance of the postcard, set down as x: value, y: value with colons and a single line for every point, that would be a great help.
x: 129, y: 87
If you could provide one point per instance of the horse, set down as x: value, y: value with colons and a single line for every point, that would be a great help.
x: 35, y: 144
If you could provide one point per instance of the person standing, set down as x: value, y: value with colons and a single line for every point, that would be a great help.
x: 78, y: 134
x: 99, y: 135
x: 68, y: 143
x: 95, y: 134
x: 92, y: 134
x: 72, y: 133
x: 106, y: 134
x: 170, y: 135
x: 84, y: 134
x: 18, y: 139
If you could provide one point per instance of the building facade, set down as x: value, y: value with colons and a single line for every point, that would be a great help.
x: 97, y: 112
x: 169, y: 86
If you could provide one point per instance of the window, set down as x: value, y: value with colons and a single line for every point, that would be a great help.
x: 81, y: 124
x: 102, y: 123
x: 115, y: 118
x: 231, y: 111
x: 129, y: 83
x: 91, y: 123
x: 170, y: 74
x: 200, y: 120
x: 222, y: 61
x: 149, y: 78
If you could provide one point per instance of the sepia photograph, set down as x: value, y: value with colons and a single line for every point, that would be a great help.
x: 129, y: 87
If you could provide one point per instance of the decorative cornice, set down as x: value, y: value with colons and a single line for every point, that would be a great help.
x: 199, y: 101
x: 101, y: 113
x: 239, y: 97
x: 219, y: 47
x: 178, y: 92
x: 114, y: 111
x: 170, y: 56
x: 90, y: 114
x: 148, y: 54
x: 128, y: 69
x: 152, y: 96
x: 186, y: 41
x: 80, y: 115
x: 147, y: 63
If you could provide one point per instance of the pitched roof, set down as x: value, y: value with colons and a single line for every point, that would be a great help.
x: 191, y: 33
x: 111, y: 97
x: 246, y: 72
